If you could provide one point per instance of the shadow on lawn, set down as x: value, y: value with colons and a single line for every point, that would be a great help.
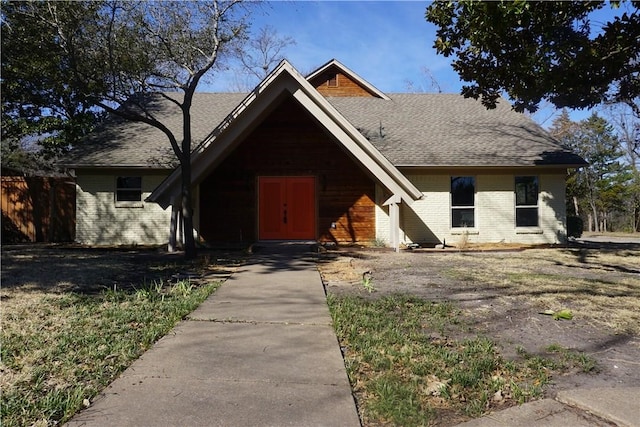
x: 55, y: 268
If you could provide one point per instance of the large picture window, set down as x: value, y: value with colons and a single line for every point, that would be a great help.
x: 527, y: 201
x: 128, y: 189
x: 463, y: 192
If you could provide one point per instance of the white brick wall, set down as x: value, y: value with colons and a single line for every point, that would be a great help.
x: 429, y: 220
x: 100, y: 222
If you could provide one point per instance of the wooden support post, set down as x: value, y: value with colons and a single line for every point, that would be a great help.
x: 394, y: 221
x: 394, y: 224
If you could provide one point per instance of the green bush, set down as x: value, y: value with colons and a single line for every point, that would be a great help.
x: 575, y: 226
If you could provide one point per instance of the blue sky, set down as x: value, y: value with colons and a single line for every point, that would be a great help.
x: 388, y: 43
x: 385, y: 42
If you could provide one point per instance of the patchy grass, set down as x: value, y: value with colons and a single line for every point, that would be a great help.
x: 600, y: 287
x: 404, y: 370
x: 60, y: 349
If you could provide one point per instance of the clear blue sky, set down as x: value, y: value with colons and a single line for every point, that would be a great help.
x: 385, y: 42
x: 388, y: 43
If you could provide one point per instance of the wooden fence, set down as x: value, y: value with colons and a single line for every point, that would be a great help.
x: 38, y: 209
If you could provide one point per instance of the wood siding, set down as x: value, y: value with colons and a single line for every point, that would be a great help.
x: 344, y: 85
x: 38, y: 209
x: 288, y: 143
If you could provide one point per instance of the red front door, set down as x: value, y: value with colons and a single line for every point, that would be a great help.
x: 287, y: 208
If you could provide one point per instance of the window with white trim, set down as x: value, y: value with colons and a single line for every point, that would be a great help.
x: 129, y: 190
x: 463, y: 192
x: 527, y: 189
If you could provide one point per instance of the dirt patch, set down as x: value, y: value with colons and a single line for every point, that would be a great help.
x: 501, y: 295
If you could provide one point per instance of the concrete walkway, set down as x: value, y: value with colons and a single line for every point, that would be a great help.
x: 259, y: 352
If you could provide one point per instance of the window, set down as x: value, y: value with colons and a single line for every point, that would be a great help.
x: 463, y: 191
x: 333, y: 80
x: 129, y: 190
x: 526, y: 201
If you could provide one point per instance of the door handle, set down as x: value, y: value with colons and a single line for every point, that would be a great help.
x: 284, y: 219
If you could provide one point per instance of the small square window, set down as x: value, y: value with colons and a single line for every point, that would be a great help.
x: 129, y: 190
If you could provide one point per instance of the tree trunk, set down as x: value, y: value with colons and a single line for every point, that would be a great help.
x: 185, y: 163
x: 575, y: 205
x: 187, y: 212
x: 173, y: 228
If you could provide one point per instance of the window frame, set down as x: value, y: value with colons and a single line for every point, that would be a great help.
x: 133, y: 189
x: 458, y: 207
x: 526, y: 205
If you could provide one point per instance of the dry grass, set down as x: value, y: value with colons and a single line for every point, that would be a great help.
x: 601, y: 287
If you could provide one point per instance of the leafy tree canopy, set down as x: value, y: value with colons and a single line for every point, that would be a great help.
x: 538, y: 51
x: 42, y: 115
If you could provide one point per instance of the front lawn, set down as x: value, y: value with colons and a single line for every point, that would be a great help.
x: 405, y: 370
x: 60, y: 350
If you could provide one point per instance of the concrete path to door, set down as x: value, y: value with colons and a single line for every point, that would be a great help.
x: 260, y: 351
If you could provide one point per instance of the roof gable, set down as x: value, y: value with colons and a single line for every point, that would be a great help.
x: 285, y: 81
x: 335, y: 79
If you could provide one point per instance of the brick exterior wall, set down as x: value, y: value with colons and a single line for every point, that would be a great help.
x: 428, y: 221
x: 100, y: 222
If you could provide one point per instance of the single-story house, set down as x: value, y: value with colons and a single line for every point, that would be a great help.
x: 327, y: 157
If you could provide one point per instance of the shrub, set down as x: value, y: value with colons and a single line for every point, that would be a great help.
x: 575, y: 226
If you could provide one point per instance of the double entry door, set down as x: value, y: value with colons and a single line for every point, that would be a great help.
x: 287, y: 206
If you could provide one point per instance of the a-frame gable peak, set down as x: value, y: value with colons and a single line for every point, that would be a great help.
x: 284, y: 79
x: 335, y: 79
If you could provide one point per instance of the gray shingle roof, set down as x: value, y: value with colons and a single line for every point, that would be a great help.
x: 449, y: 130
x: 121, y: 143
x: 436, y: 130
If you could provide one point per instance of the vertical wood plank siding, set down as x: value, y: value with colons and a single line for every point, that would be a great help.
x: 288, y: 143
x: 38, y: 209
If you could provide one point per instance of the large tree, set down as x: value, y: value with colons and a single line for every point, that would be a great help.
x: 42, y: 115
x: 602, y: 188
x: 259, y: 56
x: 113, y: 53
x: 534, y: 51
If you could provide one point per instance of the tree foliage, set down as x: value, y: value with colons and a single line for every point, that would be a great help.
x: 109, y: 54
x: 538, y: 51
x: 42, y: 115
x: 603, y: 188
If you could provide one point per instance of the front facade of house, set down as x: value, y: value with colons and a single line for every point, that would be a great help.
x: 329, y: 158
